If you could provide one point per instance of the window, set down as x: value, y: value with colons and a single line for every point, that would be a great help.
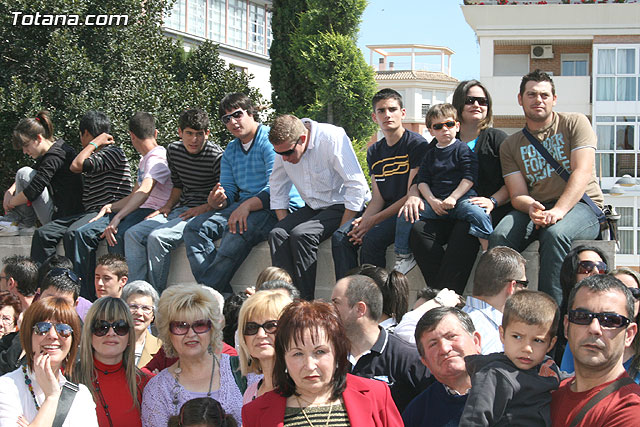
x: 617, y: 153
x: 237, y: 31
x: 617, y: 74
x: 510, y: 65
x: 176, y: 18
x: 575, y: 64
x: 196, y: 17
x: 216, y: 14
x: 425, y: 108
x: 256, y: 28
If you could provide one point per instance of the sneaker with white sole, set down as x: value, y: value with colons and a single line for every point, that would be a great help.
x: 8, y: 229
x: 404, y: 263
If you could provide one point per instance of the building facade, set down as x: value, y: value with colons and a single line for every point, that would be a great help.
x: 593, y: 52
x: 242, y: 28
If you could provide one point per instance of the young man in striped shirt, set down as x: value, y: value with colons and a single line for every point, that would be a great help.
x: 194, y: 162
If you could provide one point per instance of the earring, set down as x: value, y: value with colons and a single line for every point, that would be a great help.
x: 286, y: 371
x: 250, y: 360
x: 210, y: 349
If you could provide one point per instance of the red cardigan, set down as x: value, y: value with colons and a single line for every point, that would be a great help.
x: 368, y: 404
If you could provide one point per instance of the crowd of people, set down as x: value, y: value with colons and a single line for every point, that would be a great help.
x: 107, y: 342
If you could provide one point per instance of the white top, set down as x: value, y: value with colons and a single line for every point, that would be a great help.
x: 16, y: 400
x: 487, y: 319
x: 328, y: 172
x: 406, y: 329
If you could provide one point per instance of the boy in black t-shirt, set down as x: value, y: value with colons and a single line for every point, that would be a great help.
x: 445, y: 180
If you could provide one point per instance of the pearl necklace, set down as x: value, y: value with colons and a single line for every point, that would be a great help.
x: 28, y: 382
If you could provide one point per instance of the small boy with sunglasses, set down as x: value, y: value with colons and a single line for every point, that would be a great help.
x: 445, y: 180
x: 514, y: 387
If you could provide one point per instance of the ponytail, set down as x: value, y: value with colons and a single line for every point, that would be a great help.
x: 28, y: 129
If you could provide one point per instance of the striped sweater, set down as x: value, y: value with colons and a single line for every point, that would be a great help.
x: 107, y: 177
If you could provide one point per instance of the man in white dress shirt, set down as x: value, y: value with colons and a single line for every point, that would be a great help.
x: 500, y: 272
x: 319, y: 160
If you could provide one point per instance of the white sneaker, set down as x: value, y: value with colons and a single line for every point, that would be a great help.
x: 404, y: 263
x: 26, y: 231
x: 8, y: 229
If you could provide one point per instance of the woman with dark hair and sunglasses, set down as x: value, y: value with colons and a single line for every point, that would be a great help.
x: 30, y: 395
x: 311, y: 380
x: 107, y: 355
x: 190, y: 326
x: 257, y: 325
x: 452, y: 266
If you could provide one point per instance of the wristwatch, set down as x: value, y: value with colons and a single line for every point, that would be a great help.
x: 494, y: 201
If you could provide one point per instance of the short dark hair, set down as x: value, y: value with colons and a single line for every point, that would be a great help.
x: 537, y: 76
x: 364, y: 288
x: 394, y: 287
x: 24, y: 271
x: 8, y: 299
x: 495, y: 268
x: 95, y: 122
x: 230, y: 311
x: 315, y: 317
x: 62, y: 279
x: 440, y: 110
x: 569, y: 268
x: 237, y: 100
x: 430, y: 320
x: 195, y: 119
x: 142, y: 125
x: 202, y: 411
x: 276, y: 284
x: 532, y: 308
x: 460, y: 95
x: 386, y: 93
x: 54, y: 261
x: 603, y: 283
x: 116, y: 263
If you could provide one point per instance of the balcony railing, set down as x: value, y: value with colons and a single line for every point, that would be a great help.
x: 516, y: 2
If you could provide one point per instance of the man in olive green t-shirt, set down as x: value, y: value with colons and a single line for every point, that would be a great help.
x: 546, y: 207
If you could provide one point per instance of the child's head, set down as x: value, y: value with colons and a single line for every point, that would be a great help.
x: 529, y: 325
x: 442, y: 122
x: 202, y: 411
x: 272, y: 273
x: 111, y: 275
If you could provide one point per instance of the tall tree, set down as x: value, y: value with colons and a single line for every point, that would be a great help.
x: 323, y: 52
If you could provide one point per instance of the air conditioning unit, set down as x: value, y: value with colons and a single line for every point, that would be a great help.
x: 541, y: 51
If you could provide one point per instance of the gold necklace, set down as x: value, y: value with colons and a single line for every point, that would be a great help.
x: 307, y: 418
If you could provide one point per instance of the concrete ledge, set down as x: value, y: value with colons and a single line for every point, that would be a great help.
x: 260, y: 258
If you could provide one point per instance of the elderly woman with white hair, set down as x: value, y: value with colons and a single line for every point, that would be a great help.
x: 142, y: 299
x: 190, y: 326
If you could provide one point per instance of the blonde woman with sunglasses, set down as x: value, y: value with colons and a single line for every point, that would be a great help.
x: 36, y: 394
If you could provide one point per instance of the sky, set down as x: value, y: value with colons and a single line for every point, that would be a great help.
x: 428, y: 22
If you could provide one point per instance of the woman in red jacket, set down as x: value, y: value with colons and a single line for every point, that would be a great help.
x: 311, y: 380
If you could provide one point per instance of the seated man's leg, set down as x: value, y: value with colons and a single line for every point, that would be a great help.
x: 343, y: 251
x: 234, y: 249
x: 83, y: 254
x: 376, y: 241
x: 279, y: 245
x: 580, y: 223
x: 129, y: 221
x: 45, y: 239
x: 69, y: 237
x: 135, y: 246
x: 403, y: 229
x: 27, y: 215
x: 476, y: 216
x: 304, y: 241
x: 161, y: 241
x: 199, y: 236
x: 515, y: 230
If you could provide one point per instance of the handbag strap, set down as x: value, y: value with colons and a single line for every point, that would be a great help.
x: 560, y: 170
x: 69, y: 391
x: 611, y: 388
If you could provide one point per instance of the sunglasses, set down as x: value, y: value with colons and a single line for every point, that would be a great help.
x: 635, y: 292
x: 522, y: 283
x: 55, y: 272
x: 437, y: 126
x: 181, y: 328
x: 252, y: 328
x: 236, y: 115
x: 288, y: 152
x: 101, y: 328
x: 62, y: 329
x: 481, y: 100
x: 606, y: 320
x: 586, y: 267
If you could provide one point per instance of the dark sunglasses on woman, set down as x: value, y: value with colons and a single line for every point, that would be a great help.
x: 62, y: 329
x: 252, y: 328
x: 100, y: 328
x: 181, y: 328
x: 481, y: 100
x: 586, y: 267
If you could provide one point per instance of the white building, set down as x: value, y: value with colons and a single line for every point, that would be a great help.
x: 593, y: 52
x: 241, y: 27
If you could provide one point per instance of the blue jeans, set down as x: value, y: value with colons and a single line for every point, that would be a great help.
x: 82, y: 251
x: 148, y: 246
x: 216, y: 267
x: 479, y: 221
x: 517, y: 231
x: 372, y: 251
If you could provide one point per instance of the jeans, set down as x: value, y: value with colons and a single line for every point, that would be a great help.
x: 517, y: 231
x: 41, y: 208
x: 294, y: 243
x: 476, y: 216
x: 372, y: 251
x: 45, y: 239
x: 148, y: 246
x: 82, y: 251
x: 216, y: 267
